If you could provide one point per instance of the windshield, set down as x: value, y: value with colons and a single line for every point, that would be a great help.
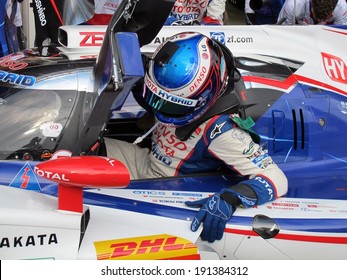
x: 32, y: 120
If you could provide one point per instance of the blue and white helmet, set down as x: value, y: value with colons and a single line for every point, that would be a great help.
x: 185, y: 77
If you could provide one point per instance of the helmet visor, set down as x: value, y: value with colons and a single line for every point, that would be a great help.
x: 167, y: 103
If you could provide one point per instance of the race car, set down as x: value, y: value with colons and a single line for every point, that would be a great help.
x: 61, y: 197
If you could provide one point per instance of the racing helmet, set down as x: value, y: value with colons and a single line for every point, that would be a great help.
x: 184, y: 78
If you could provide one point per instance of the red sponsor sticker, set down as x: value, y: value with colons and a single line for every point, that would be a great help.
x: 92, y: 39
x: 285, y: 204
x: 146, y: 247
x: 335, y: 68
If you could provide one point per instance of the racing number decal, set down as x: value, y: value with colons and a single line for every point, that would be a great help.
x: 154, y: 247
x: 335, y: 68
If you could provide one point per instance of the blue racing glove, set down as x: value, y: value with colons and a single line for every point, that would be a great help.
x: 214, y: 213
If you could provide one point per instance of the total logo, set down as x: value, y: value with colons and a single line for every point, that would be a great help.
x: 335, y: 68
x: 51, y: 175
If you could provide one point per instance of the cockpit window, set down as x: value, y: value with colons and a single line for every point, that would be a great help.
x: 32, y: 121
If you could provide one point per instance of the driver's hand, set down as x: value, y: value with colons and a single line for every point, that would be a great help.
x: 214, y: 214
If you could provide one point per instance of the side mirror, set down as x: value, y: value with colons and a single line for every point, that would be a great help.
x: 75, y: 173
x: 264, y: 226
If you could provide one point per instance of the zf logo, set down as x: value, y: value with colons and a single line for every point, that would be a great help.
x: 335, y: 68
x: 219, y: 36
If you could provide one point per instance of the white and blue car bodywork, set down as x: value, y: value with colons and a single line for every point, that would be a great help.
x: 294, y: 85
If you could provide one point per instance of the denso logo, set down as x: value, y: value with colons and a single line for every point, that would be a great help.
x: 335, y: 68
x: 92, y: 39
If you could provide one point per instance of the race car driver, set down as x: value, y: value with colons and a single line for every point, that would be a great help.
x: 304, y: 12
x: 189, y: 82
x: 197, y: 12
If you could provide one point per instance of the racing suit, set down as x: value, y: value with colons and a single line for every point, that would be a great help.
x: 216, y: 142
x: 103, y: 11
x: 189, y: 12
x: 266, y: 14
x: 302, y: 11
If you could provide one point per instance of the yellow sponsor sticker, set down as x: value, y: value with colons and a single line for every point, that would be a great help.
x: 151, y: 247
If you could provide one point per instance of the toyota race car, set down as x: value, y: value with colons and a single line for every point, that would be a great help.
x: 61, y: 197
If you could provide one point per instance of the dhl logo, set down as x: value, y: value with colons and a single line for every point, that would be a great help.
x: 153, y: 247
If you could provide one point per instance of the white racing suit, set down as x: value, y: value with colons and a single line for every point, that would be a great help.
x: 104, y: 10
x: 187, y: 12
x: 216, y: 142
x: 299, y: 12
